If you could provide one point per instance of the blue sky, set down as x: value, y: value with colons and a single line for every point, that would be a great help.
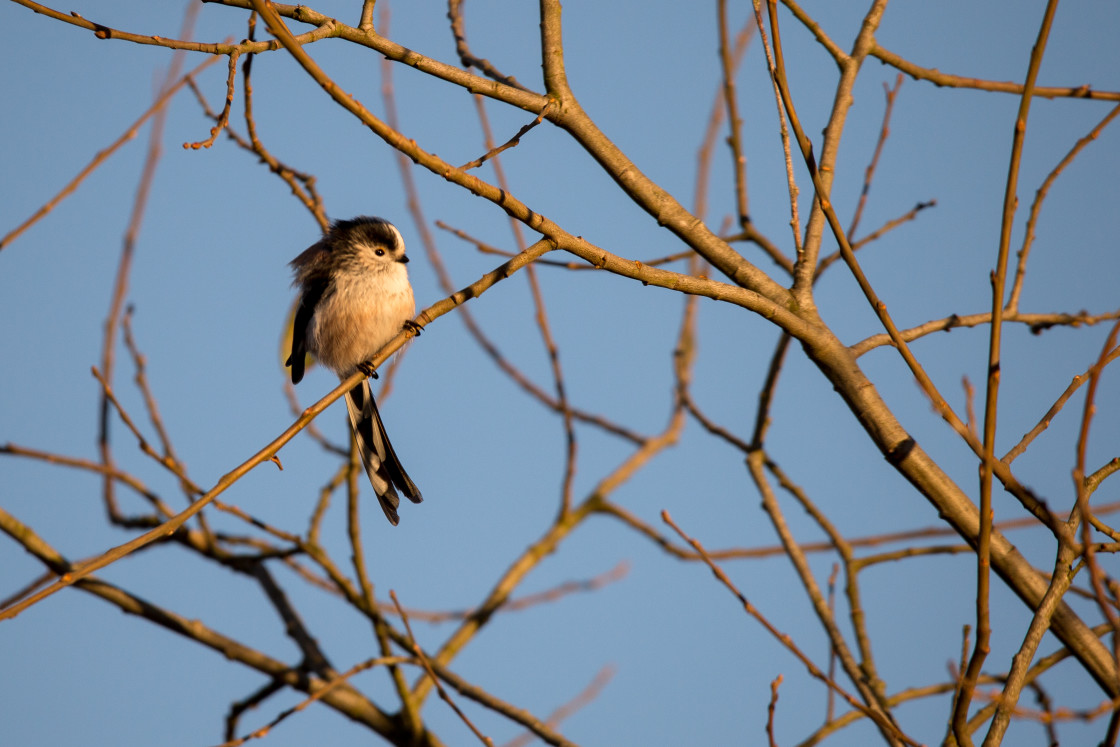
x: 210, y: 289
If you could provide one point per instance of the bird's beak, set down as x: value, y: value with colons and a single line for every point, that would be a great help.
x: 403, y: 259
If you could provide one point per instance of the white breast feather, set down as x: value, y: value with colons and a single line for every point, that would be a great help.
x: 364, y: 312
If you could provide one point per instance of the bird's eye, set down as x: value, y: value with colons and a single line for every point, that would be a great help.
x: 379, y: 252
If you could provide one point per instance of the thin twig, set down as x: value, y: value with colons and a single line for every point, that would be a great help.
x: 587, y: 695
x: 869, y: 173
x: 103, y: 155
x: 1040, y: 197
x: 316, y: 696
x: 419, y: 652
x: 772, y: 708
x: 485, y: 248
x: 1084, y: 510
x: 991, y: 400
x: 1037, y: 323
x: 511, y: 143
x: 124, y: 264
x: 223, y: 118
x: 791, y: 181
x: 455, y: 15
x: 553, y: 352
x: 875, y: 235
x: 1059, y: 403
x: 939, y: 78
x: 862, y: 673
x: 784, y: 638
x: 734, y: 121
x: 529, y: 600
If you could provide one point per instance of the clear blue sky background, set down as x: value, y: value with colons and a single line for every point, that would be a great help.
x: 210, y: 287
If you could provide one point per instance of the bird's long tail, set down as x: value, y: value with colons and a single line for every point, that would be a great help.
x: 382, y: 465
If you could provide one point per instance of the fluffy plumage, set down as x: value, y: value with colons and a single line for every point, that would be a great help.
x: 354, y: 298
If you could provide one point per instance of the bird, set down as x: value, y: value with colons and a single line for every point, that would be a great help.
x: 354, y: 296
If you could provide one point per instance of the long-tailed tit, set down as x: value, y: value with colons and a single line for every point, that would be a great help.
x: 354, y: 298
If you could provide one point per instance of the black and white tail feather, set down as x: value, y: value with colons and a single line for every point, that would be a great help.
x: 382, y: 464
x: 354, y: 298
